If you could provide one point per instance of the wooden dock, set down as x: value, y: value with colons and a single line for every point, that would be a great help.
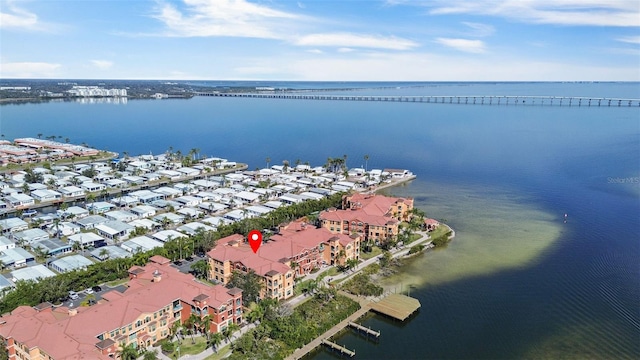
x: 299, y: 353
x: 365, y: 330
x: 341, y: 349
x: 396, y: 306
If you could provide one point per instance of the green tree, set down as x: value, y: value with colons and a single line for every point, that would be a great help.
x: 249, y: 282
x: 128, y: 352
x: 215, y: 341
x: 201, y: 269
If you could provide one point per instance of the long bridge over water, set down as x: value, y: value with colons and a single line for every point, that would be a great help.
x: 520, y: 100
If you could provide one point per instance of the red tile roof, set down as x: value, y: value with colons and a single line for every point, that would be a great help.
x: 69, y: 337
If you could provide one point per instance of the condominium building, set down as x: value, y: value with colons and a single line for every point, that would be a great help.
x: 296, y: 250
x: 157, y: 296
x: 374, y: 217
x: 232, y: 254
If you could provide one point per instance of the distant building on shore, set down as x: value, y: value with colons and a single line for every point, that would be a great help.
x: 96, y: 91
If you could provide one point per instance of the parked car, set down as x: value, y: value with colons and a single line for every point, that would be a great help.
x: 177, y: 262
x: 88, y: 291
x: 73, y: 295
x: 96, y: 289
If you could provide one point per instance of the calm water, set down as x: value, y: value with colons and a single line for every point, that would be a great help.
x: 517, y: 282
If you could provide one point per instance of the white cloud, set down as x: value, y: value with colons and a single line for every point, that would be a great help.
x: 630, y: 39
x: 356, y: 40
x: 12, y: 16
x: 345, y: 50
x: 102, y: 64
x: 480, y: 30
x: 433, y: 67
x: 238, y: 18
x: 465, y: 45
x: 620, y: 13
x: 315, y: 51
x: 29, y: 70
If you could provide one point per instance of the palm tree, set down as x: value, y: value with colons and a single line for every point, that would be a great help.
x: 174, y: 329
x: 366, y: 161
x: 39, y: 135
x: 103, y: 254
x: 215, y: 340
x: 268, y: 160
x: 191, y: 326
x: 128, y: 352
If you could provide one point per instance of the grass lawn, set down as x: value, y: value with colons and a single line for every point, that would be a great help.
x: 221, y: 354
x: 375, y: 251
x: 187, y: 348
x: 413, y: 238
x: 440, y: 230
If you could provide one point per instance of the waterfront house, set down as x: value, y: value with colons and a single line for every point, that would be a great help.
x: 87, y: 239
x: 235, y: 215
x: 166, y: 235
x: 190, y: 213
x: 5, y: 243
x: 192, y: 228
x: 133, y: 180
x: 45, y: 195
x: 34, y: 273
x: 247, y: 197
x: 170, y: 218
x: 112, y: 252
x: 70, y: 263
x: 215, y: 221
x: 168, y: 192
x: 19, y: 201
x: 114, y: 183
x: 114, y: 230
x: 100, y: 207
x: 257, y: 210
x: 63, y: 228
x: 147, y: 196
x: 16, y: 257
x: 170, y: 174
x: 144, y: 211
x: 36, y: 186
x: 53, y: 246
x: 212, y: 207
x: 71, y: 191
x: 92, y: 187
x: 188, y: 171
x: 189, y: 200
x: 121, y: 215
x: 73, y: 212
x: 125, y: 201
x: 13, y: 225
x: 140, y: 244
x: 29, y: 236
x: 146, y: 224
x: 91, y: 221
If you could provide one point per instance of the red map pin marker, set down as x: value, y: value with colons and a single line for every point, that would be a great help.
x: 255, y: 240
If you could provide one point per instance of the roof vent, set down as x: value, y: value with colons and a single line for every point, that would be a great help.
x: 157, y: 276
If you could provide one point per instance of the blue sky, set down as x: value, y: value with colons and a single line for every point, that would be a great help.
x: 347, y: 40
